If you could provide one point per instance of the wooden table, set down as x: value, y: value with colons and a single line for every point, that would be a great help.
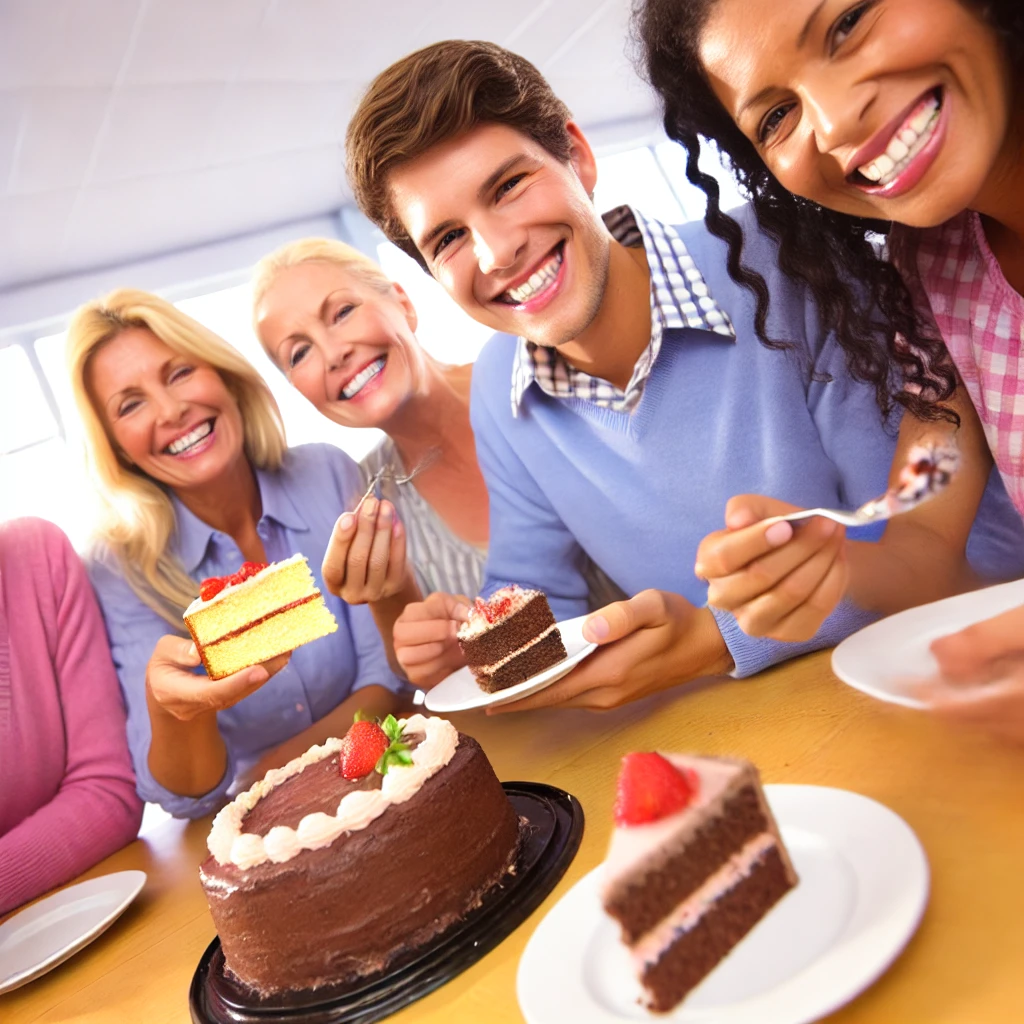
x: 962, y: 793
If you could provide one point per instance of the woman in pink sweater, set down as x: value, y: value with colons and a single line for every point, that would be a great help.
x: 67, y: 792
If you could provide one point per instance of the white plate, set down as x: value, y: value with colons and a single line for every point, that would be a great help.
x: 863, y: 887
x: 885, y: 658
x: 44, y: 935
x: 460, y: 692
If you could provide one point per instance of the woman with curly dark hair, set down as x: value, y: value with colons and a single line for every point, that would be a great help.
x: 844, y: 119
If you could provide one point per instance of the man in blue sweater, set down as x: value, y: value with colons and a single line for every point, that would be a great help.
x: 626, y: 396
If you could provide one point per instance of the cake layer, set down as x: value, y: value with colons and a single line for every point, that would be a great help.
x: 280, y: 584
x: 333, y: 914
x: 696, y: 951
x: 639, y: 902
x: 522, y: 664
x: 508, y: 635
x: 277, y: 633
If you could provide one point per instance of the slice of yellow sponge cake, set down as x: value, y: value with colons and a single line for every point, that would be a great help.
x: 256, y: 614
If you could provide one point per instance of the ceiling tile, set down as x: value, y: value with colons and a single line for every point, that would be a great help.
x: 58, y: 135
x: 156, y: 129
x: 33, y: 226
x: 193, y: 40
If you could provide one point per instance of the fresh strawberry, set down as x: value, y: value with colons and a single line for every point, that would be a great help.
x: 250, y: 569
x: 212, y: 587
x: 651, y: 787
x: 363, y: 746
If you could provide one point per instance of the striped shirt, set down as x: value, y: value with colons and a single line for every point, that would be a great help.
x: 679, y: 298
x: 440, y: 560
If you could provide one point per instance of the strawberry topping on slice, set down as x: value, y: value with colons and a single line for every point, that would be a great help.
x: 649, y: 788
x: 364, y: 745
x: 212, y: 586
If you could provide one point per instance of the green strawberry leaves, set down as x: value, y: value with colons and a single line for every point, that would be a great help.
x: 397, y: 752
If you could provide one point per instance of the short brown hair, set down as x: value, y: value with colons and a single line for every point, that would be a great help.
x: 433, y: 95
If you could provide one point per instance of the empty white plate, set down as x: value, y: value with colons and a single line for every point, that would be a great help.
x: 885, y: 658
x: 460, y: 692
x: 863, y: 888
x: 37, y: 939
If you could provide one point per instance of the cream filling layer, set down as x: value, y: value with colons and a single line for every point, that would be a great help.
x: 230, y: 845
x: 650, y: 948
x: 491, y: 669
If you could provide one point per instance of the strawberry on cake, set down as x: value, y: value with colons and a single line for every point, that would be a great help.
x: 256, y: 614
x: 695, y: 862
x: 510, y: 637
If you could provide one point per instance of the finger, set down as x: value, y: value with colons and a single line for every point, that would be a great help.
x: 799, y: 598
x: 819, y: 541
x: 421, y: 654
x: 746, y: 509
x: 274, y: 665
x: 380, y: 549
x: 970, y: 654
x: 227, y: 692
x: 176, y: 650
x: 723, y: 554
x: 396, y: 557
x: 333, y: 568
x: 359, y: 551
x: 423, y: 631
x: 448, y: 606
x: 998, y: 707
x: 615, y: 621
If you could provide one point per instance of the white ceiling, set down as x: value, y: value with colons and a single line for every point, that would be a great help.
x: 130, y: 128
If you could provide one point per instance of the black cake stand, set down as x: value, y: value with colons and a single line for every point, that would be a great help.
x: 551, y: 836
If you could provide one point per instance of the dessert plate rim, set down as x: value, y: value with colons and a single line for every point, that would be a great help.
x: 460, y: 691
x: 551, y: 978
x: 882, y: 659
x: 122, y: 886
x: 553, y: 827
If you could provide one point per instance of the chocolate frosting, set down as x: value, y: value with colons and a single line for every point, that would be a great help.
x: 331, y: 915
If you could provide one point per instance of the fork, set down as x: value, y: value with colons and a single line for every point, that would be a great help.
x: 928, y: 471
x: 430, y: 456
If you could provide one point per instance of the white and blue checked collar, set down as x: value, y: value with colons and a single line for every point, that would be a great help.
x: 679, y: 298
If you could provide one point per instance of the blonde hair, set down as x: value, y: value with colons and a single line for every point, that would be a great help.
x: 313, y: 250
x: 139, y: 520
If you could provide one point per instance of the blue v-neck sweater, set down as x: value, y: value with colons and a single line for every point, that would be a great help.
x: 636, y: 492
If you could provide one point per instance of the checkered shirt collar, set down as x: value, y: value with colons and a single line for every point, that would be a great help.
x: 679, y: 298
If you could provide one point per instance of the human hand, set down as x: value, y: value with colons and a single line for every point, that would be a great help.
x: 779, y: 581
x: 175, y: 689
x: 365, y: 559
x: 651, y: 642
x: 981, y: 676
x: 424, y: 638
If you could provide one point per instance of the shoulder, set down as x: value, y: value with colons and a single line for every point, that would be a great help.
x: 32, y: 538
x: 493, y: 367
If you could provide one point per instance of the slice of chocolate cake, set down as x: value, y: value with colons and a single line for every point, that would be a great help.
x: 510, y: 637
x: 695, y: 862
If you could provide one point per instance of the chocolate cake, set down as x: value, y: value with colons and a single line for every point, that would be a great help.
x: 315, y: 879
x: 510, y: 637
x: 695, y: 862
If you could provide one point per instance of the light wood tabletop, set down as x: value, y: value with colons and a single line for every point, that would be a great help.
x: 962, y: 793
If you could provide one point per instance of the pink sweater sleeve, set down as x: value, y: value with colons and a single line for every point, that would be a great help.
x: 52, y: 611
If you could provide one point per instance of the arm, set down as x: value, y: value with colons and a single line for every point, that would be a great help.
x: 95, y: 811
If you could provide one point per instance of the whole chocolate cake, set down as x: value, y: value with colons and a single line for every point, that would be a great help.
x: 317, y: 879
x: 510, y: 637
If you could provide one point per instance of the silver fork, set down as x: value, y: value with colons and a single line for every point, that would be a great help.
x: 387, y: 471
x: 928, y: 472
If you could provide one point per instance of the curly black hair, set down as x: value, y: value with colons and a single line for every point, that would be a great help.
x: 861, y: 296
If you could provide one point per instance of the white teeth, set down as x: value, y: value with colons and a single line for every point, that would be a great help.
x: 193, y: 437
x: 905, y: 144
x: 362, y: 378
x: 539, y: 280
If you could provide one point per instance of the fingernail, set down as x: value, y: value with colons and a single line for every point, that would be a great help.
x: 347, y: 520
x: 461, y: 612
x: 397, y: 528
x: 385, y: 511
x: 192, y: 652
x: 778, y: 533
x: 370, y: 508
x: 740, y: 518
x: 595, y: 629
x: 698, y: 571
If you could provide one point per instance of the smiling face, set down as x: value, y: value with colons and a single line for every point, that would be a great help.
x: 170, y: 415
x: 509, y: 230
x: 893, y: 109
x: 345, y: 344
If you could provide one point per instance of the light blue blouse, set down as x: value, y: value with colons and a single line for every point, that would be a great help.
x: 300, y: 505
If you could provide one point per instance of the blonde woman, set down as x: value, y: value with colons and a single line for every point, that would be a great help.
x: 186, y: 447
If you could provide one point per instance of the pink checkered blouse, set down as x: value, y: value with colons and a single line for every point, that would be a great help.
x: 981, y: 320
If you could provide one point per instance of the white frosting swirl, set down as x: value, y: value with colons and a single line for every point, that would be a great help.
x: 230, y: 845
